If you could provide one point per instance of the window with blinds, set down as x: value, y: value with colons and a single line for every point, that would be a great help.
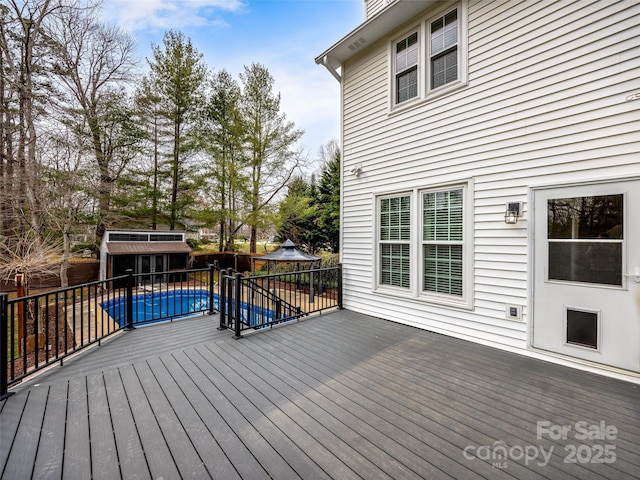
x: 430, y: 59
x: 395, y: 238
x: 407, y: 68
x: 443, y: 242
x: 444, y: 49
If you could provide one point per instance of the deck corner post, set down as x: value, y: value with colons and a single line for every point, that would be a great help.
x: 223, y: 301
x: 340, y: 306
x: 4, y: 346
x: 238, y: 304
x: 129, y: 300
x: 212, y: 268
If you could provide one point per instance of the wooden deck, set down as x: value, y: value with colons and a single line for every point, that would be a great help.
x: 341, y: 396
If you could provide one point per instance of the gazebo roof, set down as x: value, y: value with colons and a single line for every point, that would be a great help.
x: 288, y: 253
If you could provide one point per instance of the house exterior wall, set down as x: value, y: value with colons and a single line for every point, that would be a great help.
x: 546, y: 102
x: 374, y: 6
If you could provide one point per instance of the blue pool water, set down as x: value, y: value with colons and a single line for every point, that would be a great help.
x: 162, y: 306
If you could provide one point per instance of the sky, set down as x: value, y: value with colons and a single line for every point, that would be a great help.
x: 283, y: 35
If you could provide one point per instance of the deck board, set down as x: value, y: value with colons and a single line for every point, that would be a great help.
x: 205, y: 402
x: 133, y: 463
x: 28, y: 434
x: 77, y: 445
x: 200, y: 437
x: 155, y: 449
x: 50, y: 451
x: 342, y: 396
x: 105, y: 463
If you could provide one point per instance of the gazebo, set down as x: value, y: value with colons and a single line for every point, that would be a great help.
x: 287, y: 253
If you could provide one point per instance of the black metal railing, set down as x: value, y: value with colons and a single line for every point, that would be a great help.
x: 39, y: 330
x: 263, y: 301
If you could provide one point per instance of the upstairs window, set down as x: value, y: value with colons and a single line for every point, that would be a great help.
x: 444, y: 49
x: 407, y: 68
x: 430, y: 59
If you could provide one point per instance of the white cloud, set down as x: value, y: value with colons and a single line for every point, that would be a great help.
x: 163, y: 14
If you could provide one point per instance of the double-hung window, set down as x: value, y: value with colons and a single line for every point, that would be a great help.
x: 423, y: 245
x: 443, y: 242
x: 407, y: 68
x: 395, y: 241
x: 444, y: 49
x: 434, y: 51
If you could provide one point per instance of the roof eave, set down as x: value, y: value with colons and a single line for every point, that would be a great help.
x: 377, y: 27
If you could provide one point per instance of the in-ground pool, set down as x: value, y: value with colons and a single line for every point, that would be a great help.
x: 163, y: 306
x: 160, y: 306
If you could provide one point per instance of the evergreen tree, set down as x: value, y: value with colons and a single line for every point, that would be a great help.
x: 270, y: 145
x: 328, y: 220
x: 297, y: 213
x: 222, y: 136
x: 178, y: 75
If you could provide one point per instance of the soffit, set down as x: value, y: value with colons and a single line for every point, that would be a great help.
x: 377, y: 27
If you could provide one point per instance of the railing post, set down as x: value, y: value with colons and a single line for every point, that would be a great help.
x: 311, y: 299
x: 212, y: 268
x: 278, y: 309
x: 129, y: 300
x: 4, y: 346
x: 223, y: 301
x: 238, y: 304
x: 340, y: 286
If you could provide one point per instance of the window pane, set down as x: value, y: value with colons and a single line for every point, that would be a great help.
x: 395, y: 218
x: 442, y: 216
x: 444, y: 32
x: 586, y: 217
x: 443, y: 269
x: 407, y: 52
x: 395, y: 265
x: 407, y: 85
x: 590, y: 262
x: 444, y: 69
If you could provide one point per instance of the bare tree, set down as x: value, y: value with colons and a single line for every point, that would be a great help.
x: 96, y: 62
x: 23, y: 93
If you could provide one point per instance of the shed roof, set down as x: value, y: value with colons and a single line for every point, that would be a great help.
x: 141, y: 248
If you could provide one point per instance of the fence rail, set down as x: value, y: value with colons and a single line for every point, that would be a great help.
x: 263, y: 301
x: 40, y: 330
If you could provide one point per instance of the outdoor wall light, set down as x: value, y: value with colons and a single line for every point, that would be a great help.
x: 357, y: 170
x: 513, y: 211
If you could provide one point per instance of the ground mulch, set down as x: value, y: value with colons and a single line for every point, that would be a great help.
x: 46, y: 353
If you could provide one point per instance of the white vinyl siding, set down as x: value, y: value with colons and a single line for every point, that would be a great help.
x: 546, y: 103
x: 374, y: 6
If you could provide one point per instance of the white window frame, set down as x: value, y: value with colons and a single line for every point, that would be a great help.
x: 463, y: 300
x: 425, y: 91
x: 380, y: 241
x: 416, y: 290
x: 415, y: 65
